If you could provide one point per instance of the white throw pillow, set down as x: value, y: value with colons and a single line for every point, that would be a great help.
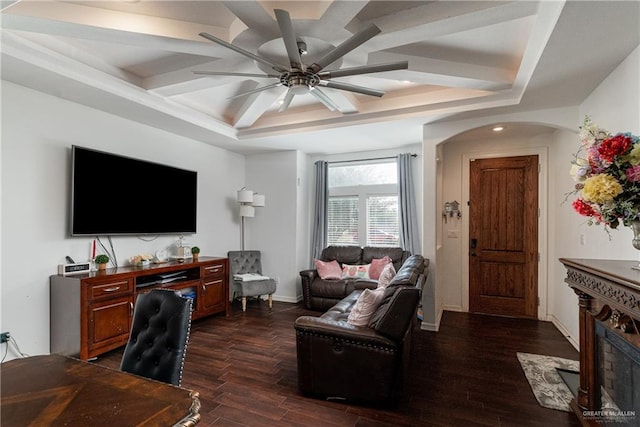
x: 355, y: 271
x: 365, y: 306
x: 388, y: 273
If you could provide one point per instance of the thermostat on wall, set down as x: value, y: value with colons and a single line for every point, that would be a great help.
x: 80, y: 267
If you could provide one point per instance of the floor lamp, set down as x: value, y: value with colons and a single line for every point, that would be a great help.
x: 248, y: 201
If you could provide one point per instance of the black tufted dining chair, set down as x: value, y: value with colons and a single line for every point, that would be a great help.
x: 159, y: 334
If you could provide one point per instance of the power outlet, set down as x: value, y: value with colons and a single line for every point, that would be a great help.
x: 4, y: 337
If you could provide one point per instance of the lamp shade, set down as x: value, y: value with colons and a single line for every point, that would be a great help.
x: 247, y: 211
x: 245, y: 196
x: 258, y: 200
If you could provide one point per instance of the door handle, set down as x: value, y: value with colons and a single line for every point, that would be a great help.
x: 473, y: 244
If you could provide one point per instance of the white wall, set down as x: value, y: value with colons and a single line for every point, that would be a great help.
x: 278, y: 229
x: 37, y: 133
x: 613, y: 105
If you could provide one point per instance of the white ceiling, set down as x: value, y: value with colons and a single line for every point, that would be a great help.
x: 136, y: 59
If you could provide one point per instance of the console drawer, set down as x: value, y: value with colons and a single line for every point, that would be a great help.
x: 111, y: 288
x: 213, y: 270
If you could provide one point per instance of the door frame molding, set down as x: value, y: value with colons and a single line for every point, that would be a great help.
x: 543, y: 220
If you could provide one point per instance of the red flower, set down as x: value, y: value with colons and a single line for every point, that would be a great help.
x: 614, y: 146
x: 583, y: 208
x: 633, y: 173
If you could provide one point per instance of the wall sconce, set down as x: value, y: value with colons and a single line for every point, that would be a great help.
x: 248, y: 201
x: 451, y: 210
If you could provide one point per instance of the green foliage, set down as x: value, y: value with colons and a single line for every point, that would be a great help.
x: 195, y: 250
x: 102, y: 259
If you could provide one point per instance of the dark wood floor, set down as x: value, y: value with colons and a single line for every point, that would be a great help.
x: 467, y: 374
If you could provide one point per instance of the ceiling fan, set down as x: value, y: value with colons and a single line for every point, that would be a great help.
x: 300, y: 78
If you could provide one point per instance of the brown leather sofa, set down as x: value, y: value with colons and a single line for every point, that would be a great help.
x: 337, y: 360
x: 319, y: 294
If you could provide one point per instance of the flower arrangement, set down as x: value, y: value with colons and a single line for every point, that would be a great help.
x: 140, y: 259
x: 607, y: 174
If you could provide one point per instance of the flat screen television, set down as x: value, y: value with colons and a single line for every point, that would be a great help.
x: 117, y: 195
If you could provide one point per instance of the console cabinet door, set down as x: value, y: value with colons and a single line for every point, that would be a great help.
x: 213, y: 295
x: 109, y: 324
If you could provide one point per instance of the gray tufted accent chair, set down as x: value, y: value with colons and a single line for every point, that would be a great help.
x: 159, y: 334
x: 242, y: 262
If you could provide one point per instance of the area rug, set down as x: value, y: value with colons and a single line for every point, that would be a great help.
x: 545, y: 381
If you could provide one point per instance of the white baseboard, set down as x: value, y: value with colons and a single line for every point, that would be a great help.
x: 293, y: 300
x: 564, y: 332
x: 433, y: 327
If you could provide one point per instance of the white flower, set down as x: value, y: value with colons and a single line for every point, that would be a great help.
x: 579, y: 169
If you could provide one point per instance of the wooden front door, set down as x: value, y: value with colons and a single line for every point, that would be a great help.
x: 503, y: 236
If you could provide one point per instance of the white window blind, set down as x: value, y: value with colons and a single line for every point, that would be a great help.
x: 363, y: 204
x: 343, y: 216
x: 382, y: 221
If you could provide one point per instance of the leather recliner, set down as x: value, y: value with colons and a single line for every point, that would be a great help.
x: 337, y: 360
x: 320, y: 294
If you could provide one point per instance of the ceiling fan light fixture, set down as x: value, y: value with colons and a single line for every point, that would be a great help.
x: 302, y: 48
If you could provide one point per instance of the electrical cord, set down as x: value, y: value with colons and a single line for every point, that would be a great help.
x: 110, y: 253
x: 150, y: 239
x: 13, y: 342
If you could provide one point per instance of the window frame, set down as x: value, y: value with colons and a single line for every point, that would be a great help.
x: 362, y: 192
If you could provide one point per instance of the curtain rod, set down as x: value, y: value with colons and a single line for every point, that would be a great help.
x: 369, y: 159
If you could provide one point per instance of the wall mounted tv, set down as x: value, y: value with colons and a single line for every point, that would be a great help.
x: 117, y: 195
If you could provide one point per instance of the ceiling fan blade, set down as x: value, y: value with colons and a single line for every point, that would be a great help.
x: 224, y: 73
x: 351, y: 88
x: 287, y: 100
x: 347, y: 46
x: 364, y: 69
x: 246, y: 53
x: 289, y: 37
x: 260, y: 89
x: 324, y: 99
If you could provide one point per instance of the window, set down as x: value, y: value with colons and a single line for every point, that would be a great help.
x: 363, y: 204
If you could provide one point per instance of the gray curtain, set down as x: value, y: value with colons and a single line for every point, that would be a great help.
x: 319, y: 238
x: 409, y: 238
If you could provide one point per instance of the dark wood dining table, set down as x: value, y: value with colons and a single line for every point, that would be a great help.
x: 55, y: 390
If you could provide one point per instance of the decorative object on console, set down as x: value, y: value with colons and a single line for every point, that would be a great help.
x: 195, y: 252
x: 101, y: 261
x: 606, y: 169
x: 140, y: 260
x: 182, y: 249
x: 248, y: 201
x: 161, y: 256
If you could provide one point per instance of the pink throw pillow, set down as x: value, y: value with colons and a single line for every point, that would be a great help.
x: 328, y: 269
x: 377, y: 265
x: 388, y: 273
x: 365, y: 306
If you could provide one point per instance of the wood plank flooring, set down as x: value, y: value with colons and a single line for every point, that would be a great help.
x: 467, y: 374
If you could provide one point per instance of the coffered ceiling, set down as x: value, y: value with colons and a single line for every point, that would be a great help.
x: 137, y: 59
